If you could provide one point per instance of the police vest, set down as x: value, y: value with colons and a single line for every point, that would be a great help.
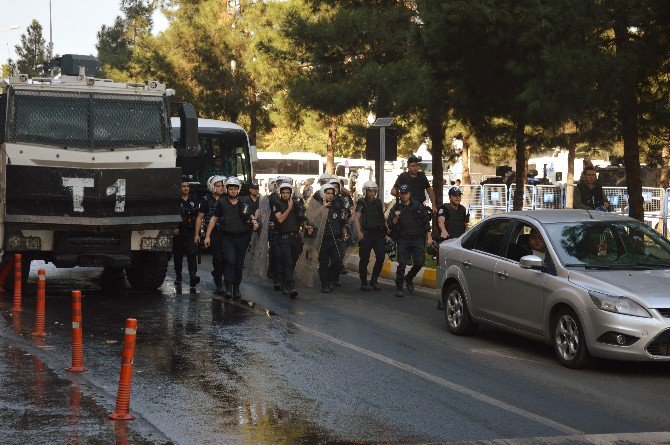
x: 412, y: 219
x: 372, y: 214
x: 211, y: 208
x: 189, y: 211
x: 292, y: 222
x: 231, y: 217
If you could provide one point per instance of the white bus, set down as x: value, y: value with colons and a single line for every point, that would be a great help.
x: 298, y: 165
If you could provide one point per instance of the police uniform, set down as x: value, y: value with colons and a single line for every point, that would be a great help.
x: 411, y: 228
x: 455, y: 220
x: 289, y: 242
x: 274, y: 261
x: 418, y: 185
x: 374, y: 231
x: 235, y: 233
x: 183, y: 243
x: 208, y: 207
x: 331, y: 252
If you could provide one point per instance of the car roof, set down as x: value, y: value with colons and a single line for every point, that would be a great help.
x: 564, y: 216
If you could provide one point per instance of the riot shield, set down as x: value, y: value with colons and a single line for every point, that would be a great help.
x: 256, y: 262
x: 308, y: 264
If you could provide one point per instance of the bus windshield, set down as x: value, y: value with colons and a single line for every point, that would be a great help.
x: 222, y: 152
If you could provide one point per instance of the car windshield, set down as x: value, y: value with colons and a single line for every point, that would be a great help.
x: 609, y: 245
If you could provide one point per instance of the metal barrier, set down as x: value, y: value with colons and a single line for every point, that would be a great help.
x: 528, y: 197
x: 618, y: 198
x: 494, y: 199
x: 549, y: 197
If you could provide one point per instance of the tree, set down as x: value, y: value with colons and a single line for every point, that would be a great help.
x: 32, y: 50
x: 9, y: 68
x: 350, y: 55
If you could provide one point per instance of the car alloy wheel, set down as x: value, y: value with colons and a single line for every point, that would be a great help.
x: 456, y: 312
x: 567, y: 337
x: 454, y: 308
x: 569, y: 340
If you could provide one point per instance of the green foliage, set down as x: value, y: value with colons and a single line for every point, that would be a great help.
x: 32, y: 51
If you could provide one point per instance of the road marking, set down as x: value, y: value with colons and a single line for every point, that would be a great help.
x: 443, y: 382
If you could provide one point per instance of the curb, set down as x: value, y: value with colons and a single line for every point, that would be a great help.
x: 426, y: 277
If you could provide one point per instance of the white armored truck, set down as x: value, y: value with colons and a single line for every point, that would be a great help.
x: 88, y: 171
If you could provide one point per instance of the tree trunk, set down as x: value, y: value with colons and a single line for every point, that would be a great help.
x: 253, y: 114
x: 436, y: 128
x: 519, y: 136
x: 628, y: 115
x: 465, y: 161
x: 332, y: 143
x: 569, y: 190
x: 664, y: 181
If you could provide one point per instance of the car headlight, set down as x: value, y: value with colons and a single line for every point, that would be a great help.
x: 618, y: 305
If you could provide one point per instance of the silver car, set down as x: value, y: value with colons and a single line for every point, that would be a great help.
x: 592, y: 284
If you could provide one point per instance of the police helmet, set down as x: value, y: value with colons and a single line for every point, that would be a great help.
x: 323, y: 179
x: 390, y: 248
x: 285, y: 185
x: 212, y: 181
x: 335, y: 181
x: 370, y: 185
x: 233, y: 182
x: 325, y: 187
x: 285, y: 179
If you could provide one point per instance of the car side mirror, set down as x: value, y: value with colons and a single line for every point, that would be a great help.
x: 532, y: 262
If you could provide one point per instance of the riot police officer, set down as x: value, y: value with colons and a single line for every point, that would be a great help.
x: 331, y: 252
x: 236, y: 220
x: 410, y: 220
x: 289, y: 215
x: 182, y: 241
x: 274, y: 257
x: 205, y: 212
x: 370, y: 227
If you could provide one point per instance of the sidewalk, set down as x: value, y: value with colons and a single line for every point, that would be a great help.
x: 425, y: 278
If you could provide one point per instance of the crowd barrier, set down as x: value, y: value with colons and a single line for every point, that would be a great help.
x: 482, y: 201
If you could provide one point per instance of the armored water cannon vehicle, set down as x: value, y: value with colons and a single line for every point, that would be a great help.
x: 88, y: 171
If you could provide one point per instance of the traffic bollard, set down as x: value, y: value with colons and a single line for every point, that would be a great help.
x: 77, y: 346
x: 40, y: 316
x: 123, y: 395
x: 9, y: 265
x: 17, y: 283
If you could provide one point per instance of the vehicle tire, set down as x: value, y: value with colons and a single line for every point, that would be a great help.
x: 456, y: 312
x: 147, y: 270
x: 569, y: 341
x: 8, y: 284
x: 112, y: 278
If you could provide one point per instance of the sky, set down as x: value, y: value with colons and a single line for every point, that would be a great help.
x: 75, y: 23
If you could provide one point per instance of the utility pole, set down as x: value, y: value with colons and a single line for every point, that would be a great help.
x: 51, y: 40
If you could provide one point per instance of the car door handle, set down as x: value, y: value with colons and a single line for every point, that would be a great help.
x: 467, y: 264
x: 503, y: 274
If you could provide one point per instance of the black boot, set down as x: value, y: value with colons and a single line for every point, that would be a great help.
x: 292, y: 292
x: 236, y: 292
x: 410, y: 286
x: 374, y: 284
x: 365, y: 286
x: 276, y: 285
x: 285, y: 289
x: 194, y: 280
x: 324, y: 288
x: 177, y: 279
x: 228, y: 293
x: 218, y: 283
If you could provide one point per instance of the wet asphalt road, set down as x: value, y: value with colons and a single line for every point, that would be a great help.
x: 341, y: 367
